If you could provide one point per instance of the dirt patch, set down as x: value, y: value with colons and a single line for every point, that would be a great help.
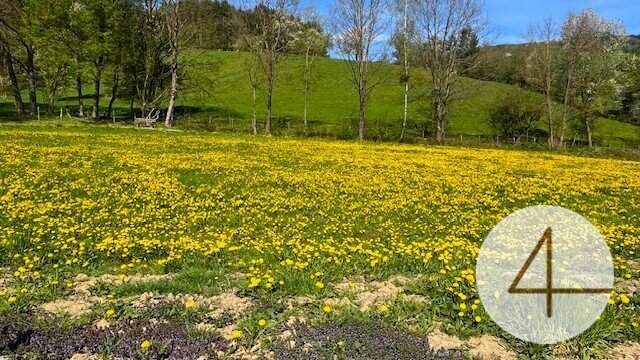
x: 73, y: 307
x: 369, y: 294
x: 297, y: 301
x: 217, y: 306
x: 228, y: 303
x: 442, y: 341
x: 629, y: 351
x: 488, y: 347
x: 357, y: 285
x: 380, y: 292
x: 5, y: 279
x: 628, y: 286
x: 338, y: 302
x: 412, y: 298
x: 102, y: 324
x: 81, y: 300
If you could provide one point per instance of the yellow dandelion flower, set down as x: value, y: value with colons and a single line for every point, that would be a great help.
x: 326, y: 308
x: 145, y: 345
x: 190, y: 304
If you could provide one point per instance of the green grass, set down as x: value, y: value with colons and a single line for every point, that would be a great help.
x: 293, y: 212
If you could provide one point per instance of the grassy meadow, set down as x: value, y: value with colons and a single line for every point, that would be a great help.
x: 169, y: 244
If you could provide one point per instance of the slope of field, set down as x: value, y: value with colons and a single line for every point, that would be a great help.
x: 333, y: 103
x: 298, y: 247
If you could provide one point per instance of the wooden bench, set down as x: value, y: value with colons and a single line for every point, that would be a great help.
x: 149, y: 120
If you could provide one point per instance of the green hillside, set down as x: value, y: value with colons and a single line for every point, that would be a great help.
x: 216, y: 95
x: 220, y: 89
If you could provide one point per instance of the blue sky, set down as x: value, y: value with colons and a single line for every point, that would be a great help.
x: 510, y: 19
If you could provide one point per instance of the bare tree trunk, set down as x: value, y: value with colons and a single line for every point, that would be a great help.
x: 565, y: 108
x: 362, y: 93
x: 254, y: 120
x: 173, y: 24
x: 406, y: 70
x: 549, y: 86
x: 80, y: 100
x: 550, y: 121
x: 363, y: 117
x: 31, y: 79
x: 168, y: 122
x: 114, y: 91
x: 95, y: 114
x: 587, y: 124
x: 53, y: 87
x: 13, y: 79
x: 267, y: 126
x: 306, y: 88
x: 131, y: 110
x: 439, y: 120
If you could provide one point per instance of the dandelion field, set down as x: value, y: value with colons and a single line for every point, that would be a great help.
x: 245, y: 245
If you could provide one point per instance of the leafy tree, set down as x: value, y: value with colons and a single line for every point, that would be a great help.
x: 516, y: 115
x: 592, y: 46
x: 16, y: 26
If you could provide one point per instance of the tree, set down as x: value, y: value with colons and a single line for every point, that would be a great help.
x: 150, y: 71
x: 541, y: 68
x: 516, y: 115
x: 15, y: 26
x: 357, y: 25
x: 592, y: 44
x: 629, y: 78
x: 251, y: 43
x: 405, y: 10
x: 272, y: 26
x: 251, y: 65
x: 310, y: 42
x: 444, y: 26
x: 174, y: 28
x: 8, y: 60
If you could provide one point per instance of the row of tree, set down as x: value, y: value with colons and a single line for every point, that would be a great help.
x: 57, y: 44
x: 586, y: 64
x: 580, y: 64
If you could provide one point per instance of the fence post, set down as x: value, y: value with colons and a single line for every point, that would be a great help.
x: 60, y: 113
x: 38, y: 113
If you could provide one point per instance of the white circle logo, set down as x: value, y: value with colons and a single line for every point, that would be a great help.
x: 544, y: 274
